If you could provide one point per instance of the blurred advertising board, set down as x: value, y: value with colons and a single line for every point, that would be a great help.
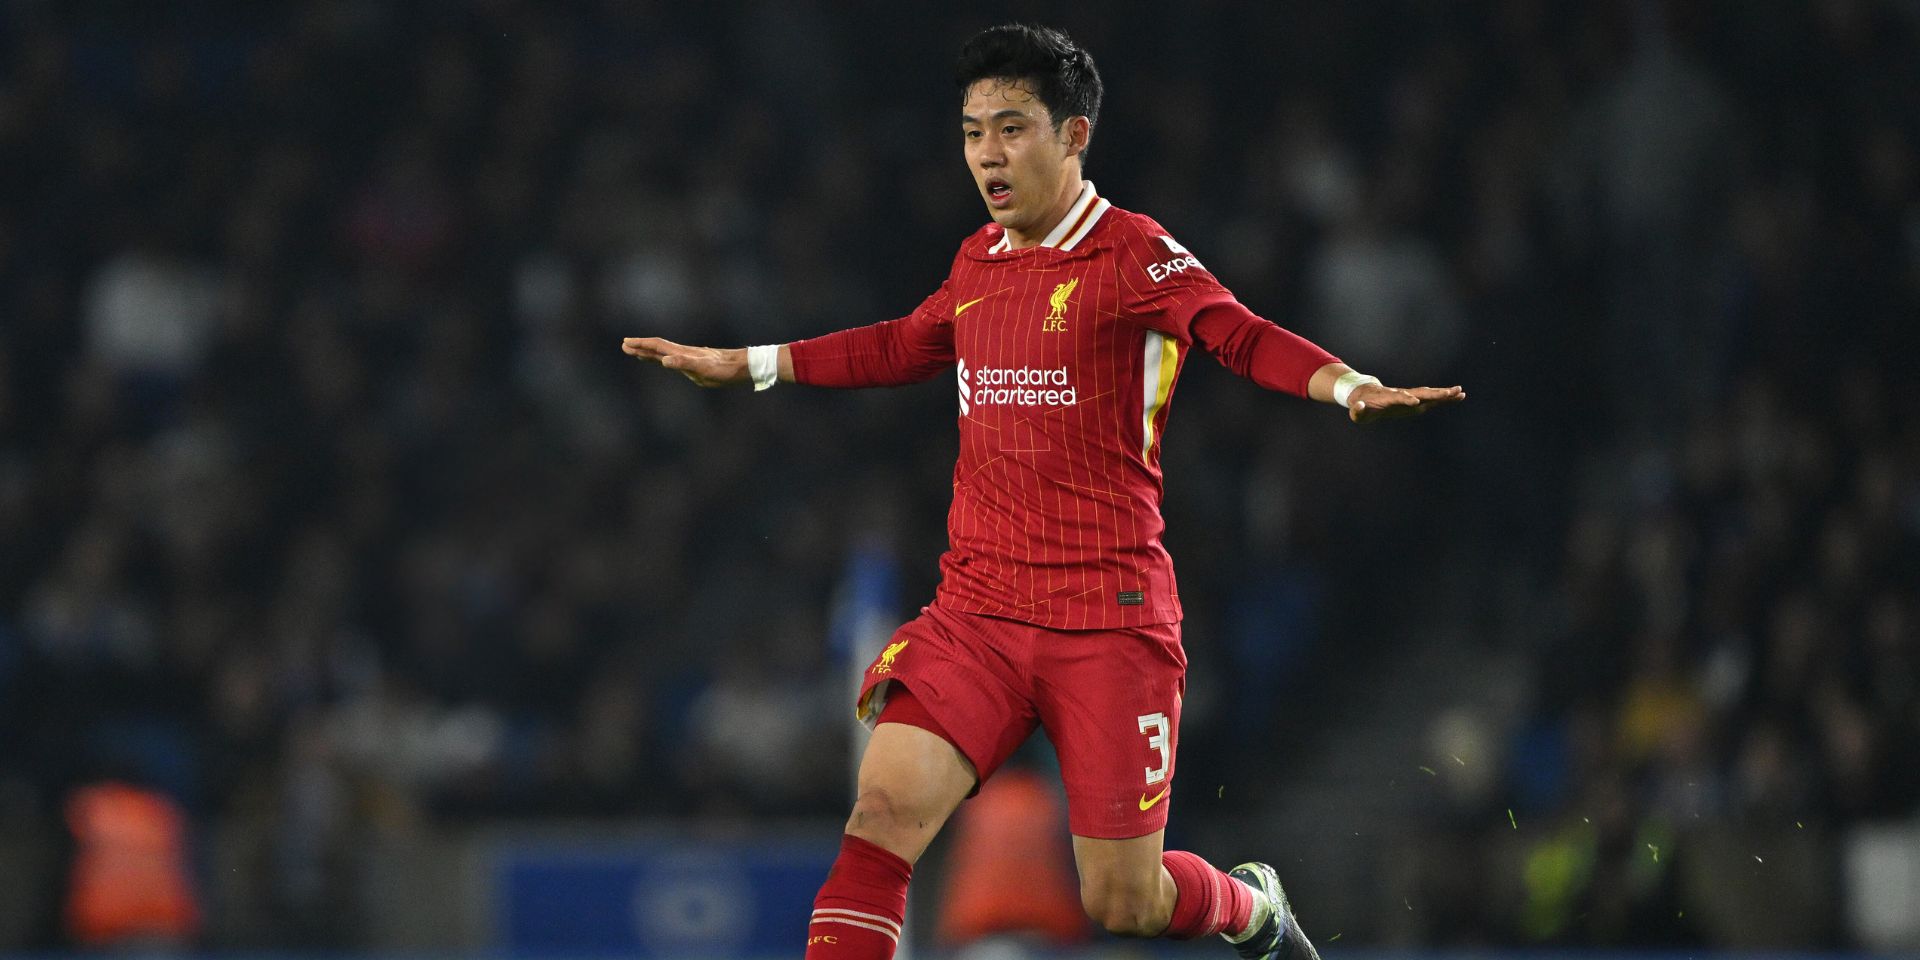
x: 671, y: 896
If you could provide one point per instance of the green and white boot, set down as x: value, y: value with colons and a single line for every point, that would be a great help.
x: 1274, y: 932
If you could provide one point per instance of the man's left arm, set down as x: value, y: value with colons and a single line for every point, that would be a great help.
x: 1171, y: 291
x: 1278, y: 359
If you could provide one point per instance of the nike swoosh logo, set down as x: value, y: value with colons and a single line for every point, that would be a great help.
x: 963, y: 307
x: 1146, y: 804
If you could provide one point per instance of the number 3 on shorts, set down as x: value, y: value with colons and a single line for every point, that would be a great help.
x: 1154, y: 725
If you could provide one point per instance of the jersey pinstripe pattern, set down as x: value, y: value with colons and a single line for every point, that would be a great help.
x: 1066, y: 356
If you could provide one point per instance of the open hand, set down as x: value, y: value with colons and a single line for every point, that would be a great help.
x: 706, y: 366
x: 1372, y: 401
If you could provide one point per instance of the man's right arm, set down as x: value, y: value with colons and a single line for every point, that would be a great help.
x: 891, y: 353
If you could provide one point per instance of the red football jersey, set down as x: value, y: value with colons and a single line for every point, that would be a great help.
x: 1066, y: 355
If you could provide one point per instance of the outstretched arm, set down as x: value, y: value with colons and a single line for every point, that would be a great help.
x: 1278, y: 359
x: 1367, y: 399
x: 885, y: 354
x: 891, y: 353
x: 706, y: 366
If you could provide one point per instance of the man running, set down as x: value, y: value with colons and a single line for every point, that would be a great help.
x: 1067, y: 321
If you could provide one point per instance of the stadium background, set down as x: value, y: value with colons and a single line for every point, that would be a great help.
x: 332, y: 518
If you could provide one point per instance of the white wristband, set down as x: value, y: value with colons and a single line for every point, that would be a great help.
x: 763, y: 365
x: 1349, y: 382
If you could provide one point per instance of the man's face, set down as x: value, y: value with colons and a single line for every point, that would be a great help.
x: 1018, y: 160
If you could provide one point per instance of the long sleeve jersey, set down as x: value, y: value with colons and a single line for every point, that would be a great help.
x: 1066, y: 355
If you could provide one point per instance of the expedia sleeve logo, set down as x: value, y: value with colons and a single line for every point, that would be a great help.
x: 1181, y: 263
x: 1015, y: 386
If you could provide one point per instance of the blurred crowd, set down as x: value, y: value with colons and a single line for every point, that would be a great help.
x: 328, y: 503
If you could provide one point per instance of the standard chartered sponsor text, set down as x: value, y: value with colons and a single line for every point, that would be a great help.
x: 1023, y: 387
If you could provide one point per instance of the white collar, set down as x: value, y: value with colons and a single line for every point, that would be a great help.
x: 1073, y: 227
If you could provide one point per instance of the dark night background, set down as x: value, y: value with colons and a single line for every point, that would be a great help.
x: 330, y: 510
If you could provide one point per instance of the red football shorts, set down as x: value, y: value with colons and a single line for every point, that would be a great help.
x: 1108, y: 699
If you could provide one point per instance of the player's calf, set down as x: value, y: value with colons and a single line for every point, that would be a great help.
x: 1128, y: 906
x: 1123, y: 887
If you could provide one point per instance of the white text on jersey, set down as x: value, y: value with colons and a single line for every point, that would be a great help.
x: 1181, y: 263
x: 1015, y: 386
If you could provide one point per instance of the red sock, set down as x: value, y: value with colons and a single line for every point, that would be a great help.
x: 1208, y: 901
x: 858, y: 912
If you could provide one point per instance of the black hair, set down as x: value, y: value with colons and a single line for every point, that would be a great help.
x: 1057, y: 70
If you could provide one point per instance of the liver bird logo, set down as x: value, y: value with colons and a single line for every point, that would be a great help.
x: 886, y: 656
x: 1059, y: 299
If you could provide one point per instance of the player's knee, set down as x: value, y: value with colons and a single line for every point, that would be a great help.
x: 1125, y: 910
x: 881, y: 817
